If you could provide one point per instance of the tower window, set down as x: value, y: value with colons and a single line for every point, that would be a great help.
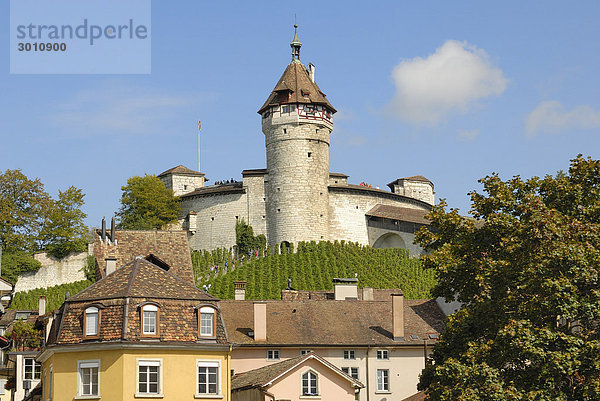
x: 278, y: 189
x: 309, y: 154
x: 285, y: 131
x: 212, y: 219
x: 184, y: 187
x: 279, y: 210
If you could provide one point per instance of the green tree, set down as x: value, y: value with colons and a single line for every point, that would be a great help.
x: 146, y: 204
x: 527, y: 270
x: 64, y: 231
x: 23, y: 208
x: 245, y: 239
x: 16, y: 262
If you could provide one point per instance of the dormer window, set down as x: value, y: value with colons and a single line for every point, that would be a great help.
x: 207, y: 320
x: 150, y: 320
x: 90, y: 321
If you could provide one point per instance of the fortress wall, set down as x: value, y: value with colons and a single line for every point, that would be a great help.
x: 216, y: 217
x: 53, y: 271
x: 257, y: 212
x: 182, y: 184
x: 416, y: 189
x: 297, y: 198
x: 347, y: 220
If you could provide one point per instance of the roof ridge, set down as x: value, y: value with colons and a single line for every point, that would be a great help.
x: 133, y: 273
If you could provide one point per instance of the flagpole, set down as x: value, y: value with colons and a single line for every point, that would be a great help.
x: 199, y: 125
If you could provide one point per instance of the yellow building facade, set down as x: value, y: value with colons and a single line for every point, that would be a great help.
x: 119, y: 371
x: 140, y: 333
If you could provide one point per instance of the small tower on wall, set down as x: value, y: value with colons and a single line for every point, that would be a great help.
x: 297, y: 121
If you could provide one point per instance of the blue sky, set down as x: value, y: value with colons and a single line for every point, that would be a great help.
x: 450, y: 90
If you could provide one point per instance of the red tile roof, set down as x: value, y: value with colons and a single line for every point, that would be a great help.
x: 264, y: 376
x: 119, y: 297
x: 399, y: 213
x: 171, y: 246
x: 329, y: 322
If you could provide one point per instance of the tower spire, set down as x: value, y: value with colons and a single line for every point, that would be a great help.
x: 296, y: 44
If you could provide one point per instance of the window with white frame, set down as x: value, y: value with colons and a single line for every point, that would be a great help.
x: 149, y: 376
x: 208, y: 378
x: 207, y: 321
x: 349, y: 354
x: 2, y: 386
x: 89, y: 378
x: 32, y: 370
x: 272, y: 354
x: 352, y: 372
x: 149, y: 320
x: 382, y: 354
x: 383, y: 380
x: 309, y: 383
x: 91, y: 321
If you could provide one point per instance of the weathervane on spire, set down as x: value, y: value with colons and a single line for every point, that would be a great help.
x: 296, y: 44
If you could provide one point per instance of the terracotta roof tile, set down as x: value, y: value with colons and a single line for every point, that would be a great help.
x: 170, y: 246
x: 328, y: 322
x: 141, y: 278
x: 262, y: 376
x: 127, y: 289
x: 181, y: 170
x: 399, y: 213
x: 236, y: 187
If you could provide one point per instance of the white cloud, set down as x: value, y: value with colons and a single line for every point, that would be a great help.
x: 450, y: 80
x: 552, y: 117
x: 118, y: 110
x: 468, y: 135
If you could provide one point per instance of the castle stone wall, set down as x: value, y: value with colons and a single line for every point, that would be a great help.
x: 347, y: 210
x: 53, y: 271
x: 216, y: 218
x: 415, y: 189
x: 182, y: 184
x: 297, y: 196
x: 257, y: 212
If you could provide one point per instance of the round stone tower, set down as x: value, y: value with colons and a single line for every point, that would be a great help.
x: 297, y: 122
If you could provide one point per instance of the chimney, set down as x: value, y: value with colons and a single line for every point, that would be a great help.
x: 398, y: 316
x: 367, y: 294
x: 112, y: 231
x: 240, y: 290
x: 111, y: 266
x: 260, y: 321
x: 103, y: 235
x: 311, y: 71
x: 345, y: 288
x: 42, y: 306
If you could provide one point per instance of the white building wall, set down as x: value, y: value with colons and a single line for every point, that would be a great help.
x: 256, y: 200
x: 347, y: 220
x: 215, y: 219
x: 405, y: 363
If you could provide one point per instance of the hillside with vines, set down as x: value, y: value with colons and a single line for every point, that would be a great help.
x: 312, y: 267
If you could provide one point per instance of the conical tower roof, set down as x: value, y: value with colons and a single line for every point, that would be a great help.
x: 295, y: 85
